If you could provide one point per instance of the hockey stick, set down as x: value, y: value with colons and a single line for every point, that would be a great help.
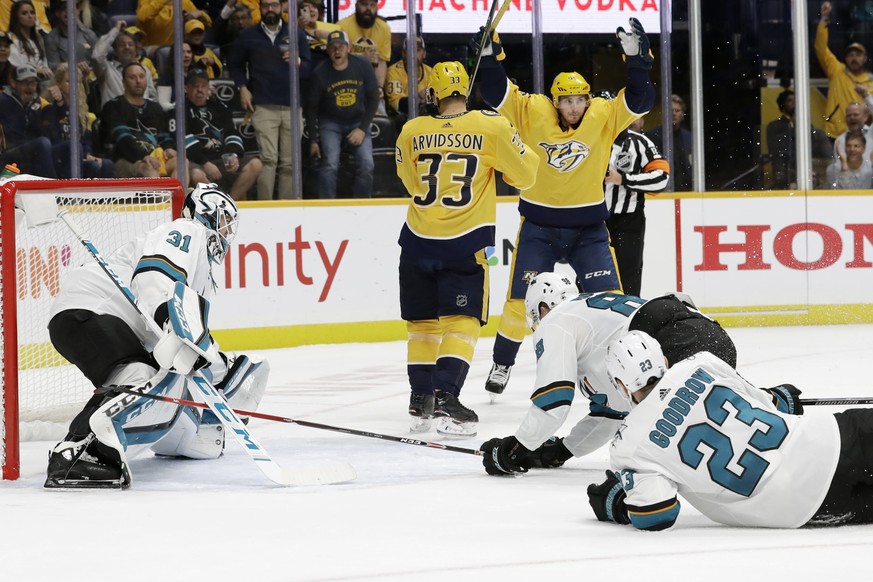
x: 218, y: 405
x: 273, y: 417
x: 835, y: 401
x: 485, y: 36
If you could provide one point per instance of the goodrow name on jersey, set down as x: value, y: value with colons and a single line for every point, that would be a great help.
x: 465, y: 141
x: 679, y: 407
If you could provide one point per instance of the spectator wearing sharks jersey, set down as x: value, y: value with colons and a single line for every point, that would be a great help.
x: 635, y: 168
x: 212, y: 143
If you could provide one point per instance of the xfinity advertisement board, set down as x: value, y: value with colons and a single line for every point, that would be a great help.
x: 558, y: 16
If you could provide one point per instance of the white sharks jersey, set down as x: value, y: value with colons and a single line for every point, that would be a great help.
x: 150, y: 266
x: 719, y: 442
x: 570, y: 345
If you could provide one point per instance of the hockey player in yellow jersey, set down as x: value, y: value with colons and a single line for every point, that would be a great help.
x: 447, y: 163
x: 563, y: 215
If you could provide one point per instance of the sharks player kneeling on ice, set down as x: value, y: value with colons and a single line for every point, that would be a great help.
x: 169, y: 271
x: 739, y: 454
x: 571, y: 332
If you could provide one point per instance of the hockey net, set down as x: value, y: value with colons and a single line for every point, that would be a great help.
x: 40, y: 392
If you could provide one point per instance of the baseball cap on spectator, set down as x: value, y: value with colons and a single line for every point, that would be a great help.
x: 193, y: 25
x: 337, y: 36
x: 25, y: 72
x: 418, y: 41
x: 196, y: 73
x: 856, y: 46
x: 134, y: 31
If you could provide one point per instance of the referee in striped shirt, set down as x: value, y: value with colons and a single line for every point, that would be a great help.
x: 635, y: 167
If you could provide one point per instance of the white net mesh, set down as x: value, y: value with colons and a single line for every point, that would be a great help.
x: 50, y: 390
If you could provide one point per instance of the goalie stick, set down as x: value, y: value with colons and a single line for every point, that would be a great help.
x: 273, y: 417
x: 212, y: 399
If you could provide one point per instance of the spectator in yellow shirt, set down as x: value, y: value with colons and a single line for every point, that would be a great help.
x: 155, y: 18
x: 397, y: 81
x: 844, y: 79
x: 370, y: 36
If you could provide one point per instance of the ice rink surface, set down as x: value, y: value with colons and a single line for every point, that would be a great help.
x: 413, y: 513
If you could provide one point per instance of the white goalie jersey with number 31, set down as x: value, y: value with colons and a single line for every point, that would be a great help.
x: 150, y: 266
x: 710, y: 436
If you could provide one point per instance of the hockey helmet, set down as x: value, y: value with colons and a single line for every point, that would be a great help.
x: 549, y: 289
x: 636, y: 360
x: 218, y: 212
x: 447, y: 79
x: 569, y: 84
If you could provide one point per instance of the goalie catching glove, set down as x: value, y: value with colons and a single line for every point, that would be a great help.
x: 491, y: 47
x: 635, y: 45
x: 186, y: 344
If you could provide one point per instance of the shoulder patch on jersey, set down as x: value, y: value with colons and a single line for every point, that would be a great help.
x: 539, y: 348
x: 566, y: 156
x: 398, y: 155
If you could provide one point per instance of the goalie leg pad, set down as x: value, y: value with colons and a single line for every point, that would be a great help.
x: 191, y: 439
x: 129, y: 424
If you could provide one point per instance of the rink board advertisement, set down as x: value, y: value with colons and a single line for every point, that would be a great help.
x: 297, y: 269
x: 314, y: 272
x: 558, y: 16
x: 777, y: 251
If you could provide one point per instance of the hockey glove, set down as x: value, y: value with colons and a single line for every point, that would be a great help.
x: 635, y: 45
x: 786, y: 398
x: 504, y: 456
x: 607, y: 500
x: 492, y: 46
x: 599, y: 406
x: 550, y: 455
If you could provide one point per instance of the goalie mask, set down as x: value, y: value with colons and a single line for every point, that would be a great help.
x: 636, y: 360
x: 218, y: 212
x: 549, y: 289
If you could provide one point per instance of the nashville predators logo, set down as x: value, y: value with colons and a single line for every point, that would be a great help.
x: 566, y: 156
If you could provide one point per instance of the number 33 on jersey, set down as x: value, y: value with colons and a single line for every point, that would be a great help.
x: 448, y: 164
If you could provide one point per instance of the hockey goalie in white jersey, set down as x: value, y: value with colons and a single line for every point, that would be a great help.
x: 96, y: 328
x: 741, y: 455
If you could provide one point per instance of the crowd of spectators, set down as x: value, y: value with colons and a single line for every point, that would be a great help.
x: 236, y: 65
x: 242, y: 48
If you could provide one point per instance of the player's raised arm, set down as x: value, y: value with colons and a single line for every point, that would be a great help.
x: 639, y: 94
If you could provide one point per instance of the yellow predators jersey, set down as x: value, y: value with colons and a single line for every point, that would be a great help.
x: 379, y: 35
x: 569, y: 187
x: 447, y: 165
x: 397, y: 83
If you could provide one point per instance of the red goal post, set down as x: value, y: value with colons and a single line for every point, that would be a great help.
x: 39, y: 391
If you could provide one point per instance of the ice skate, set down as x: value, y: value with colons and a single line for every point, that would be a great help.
x: 452, y: 417
x: 498, y: 377
x: 421, y: 412
x: 77, y: 465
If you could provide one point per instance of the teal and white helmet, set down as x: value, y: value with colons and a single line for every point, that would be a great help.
x: 549, y: 289
x: 216, y: 211
x: 635, y: 359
